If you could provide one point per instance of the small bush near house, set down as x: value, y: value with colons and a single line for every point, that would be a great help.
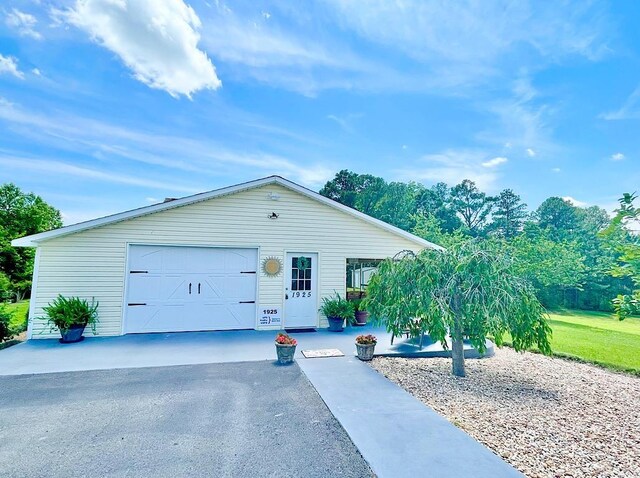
x: 338, y: 307
x: 5, y: 319
x: 63, y: 312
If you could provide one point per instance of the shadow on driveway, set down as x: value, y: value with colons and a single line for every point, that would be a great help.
x: 217, y: 420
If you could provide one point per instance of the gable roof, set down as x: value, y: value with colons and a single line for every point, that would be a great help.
x: 35, y: 239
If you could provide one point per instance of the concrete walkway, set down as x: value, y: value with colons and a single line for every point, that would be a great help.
x: 397, y: 434
x: 191, y: 348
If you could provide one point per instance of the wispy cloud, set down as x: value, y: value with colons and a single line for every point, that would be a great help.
x: 454, y: 165
x: 470, y: 41
x: 492, y: 163
x: 23, y: 23
x: 346, y: 121
x: 629, y: 110
x: 166, y: 151
x: 530, y: 152
x: 575, y: 202
x: 284, y: 54
x: 9, y: 66
x: 617, y: 157
x: 62, y: 169
x: 156, y: 39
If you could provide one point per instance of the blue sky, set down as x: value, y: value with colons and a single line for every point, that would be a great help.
x: 106, y: 105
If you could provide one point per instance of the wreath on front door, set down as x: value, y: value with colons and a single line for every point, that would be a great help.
x: 304, y: 263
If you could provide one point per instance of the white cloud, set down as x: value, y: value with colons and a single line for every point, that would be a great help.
x: 556, y: 170
x: 62, y: 169
x: 468, y: 41
x: 575, y: 202
x: 24, y: 23
x: 492, y: 163
x: 36, y: 72
x: 617, y: 157
x: 9, y: 65
x: 156, y: 39
x: 167, y: 152
x: 530, y: 152
x: 629, y: 110
x: 346, y: 121
x: 281, y: 54
x: 452, y: 166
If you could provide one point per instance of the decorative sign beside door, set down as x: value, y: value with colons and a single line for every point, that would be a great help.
x: 272, y: 266
x: 270, y: 316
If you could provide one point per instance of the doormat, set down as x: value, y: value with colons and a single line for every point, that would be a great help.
x: 298, y: 331
x: 322, y: 353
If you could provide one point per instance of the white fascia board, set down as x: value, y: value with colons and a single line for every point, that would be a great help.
x: 33, y: 240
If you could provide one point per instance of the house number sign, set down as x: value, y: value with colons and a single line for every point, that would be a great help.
x: 270, y: 316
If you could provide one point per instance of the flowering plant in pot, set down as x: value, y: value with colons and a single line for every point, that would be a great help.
x: 285, y: 348
x: 70, y: 316
x: 337, y: 310
x: 365, y: 345
x: 361, y: 313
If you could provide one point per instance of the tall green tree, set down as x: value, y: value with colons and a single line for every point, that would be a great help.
x: 508, y: 215
x: 348, y: 188
x: 559, y: 216
x: 471, y: 291
x: 437, y: 202
x: 472, y: 205
x: 627, y: 217
x: 398, y: 204
x: 21, y: 214
x: 551, y: 267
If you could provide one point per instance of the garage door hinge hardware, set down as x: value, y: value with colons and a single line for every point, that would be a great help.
x: 138, y: 272
x: 247, y: 302
x: 137, y: 303
x: 247, y: 272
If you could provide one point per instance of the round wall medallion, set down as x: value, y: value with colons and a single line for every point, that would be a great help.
x: 272, y: 266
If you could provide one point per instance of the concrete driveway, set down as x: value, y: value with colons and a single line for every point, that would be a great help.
x: 227, y: 419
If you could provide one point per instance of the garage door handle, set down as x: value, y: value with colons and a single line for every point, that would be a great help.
x: 138, y: 272
x: 189, y: 287
x: 247, y: 302
x: 198, y: 287
x: 247, y: 272
x: 136, y: 303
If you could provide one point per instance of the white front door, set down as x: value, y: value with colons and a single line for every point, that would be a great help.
x: 176, y: 289
x: 301, y: 290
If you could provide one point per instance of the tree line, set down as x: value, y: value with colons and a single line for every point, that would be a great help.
x: 567, y: 252
x: 21, y: 214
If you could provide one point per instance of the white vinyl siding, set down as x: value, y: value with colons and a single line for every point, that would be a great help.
x: 92, y: 263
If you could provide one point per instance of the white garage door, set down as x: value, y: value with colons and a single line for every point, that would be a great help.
x: 176, y: 289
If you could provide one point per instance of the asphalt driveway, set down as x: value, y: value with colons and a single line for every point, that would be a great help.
x: 216, y: 420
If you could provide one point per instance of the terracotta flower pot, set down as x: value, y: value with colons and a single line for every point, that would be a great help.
x: 365, y: 352
x: 361, y: 317
x: 285, y: 353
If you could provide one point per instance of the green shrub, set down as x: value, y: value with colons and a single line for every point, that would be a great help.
x: 65, y: 312
x: 5, y: 319
x: 336, y: 306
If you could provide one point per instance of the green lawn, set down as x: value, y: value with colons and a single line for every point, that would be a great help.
x: 20, y: 312
x: 597, y: 337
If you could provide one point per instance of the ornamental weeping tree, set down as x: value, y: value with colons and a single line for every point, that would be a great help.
x: 469, y: 291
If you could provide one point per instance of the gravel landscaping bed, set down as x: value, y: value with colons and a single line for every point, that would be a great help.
x: 548, y: 417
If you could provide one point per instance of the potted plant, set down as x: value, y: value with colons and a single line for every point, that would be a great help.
x: 365, y: 345
x: 70, y: 316
x: 285, y: 348
x: 337, y: 310
x: 361, y: 312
